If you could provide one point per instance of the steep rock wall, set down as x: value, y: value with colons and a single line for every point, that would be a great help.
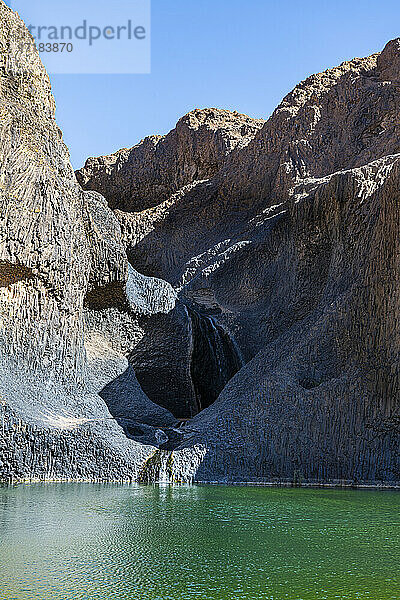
x: 281, y: 234
x: 292, y: 246
x: 63, y: 289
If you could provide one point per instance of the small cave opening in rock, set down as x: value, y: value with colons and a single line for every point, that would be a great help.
x: 11, y: 273
x: 309, y: 383
x: 215, y: 358
x: 110, y: 295
x: 185, y: 360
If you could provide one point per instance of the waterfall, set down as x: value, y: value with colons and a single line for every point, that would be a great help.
x: 215, y: 358
x: 157, y: 468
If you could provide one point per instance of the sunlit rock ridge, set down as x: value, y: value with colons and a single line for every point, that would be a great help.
x: 217, y: 304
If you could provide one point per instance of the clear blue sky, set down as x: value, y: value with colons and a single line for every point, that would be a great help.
x: 231, y: 54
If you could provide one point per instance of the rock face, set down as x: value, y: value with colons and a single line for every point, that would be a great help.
x: 292, y: 246
x: 66, y: 319
x: 246, y: 279
x: 140, y: 177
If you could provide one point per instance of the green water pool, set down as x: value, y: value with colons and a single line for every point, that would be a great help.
x: 114, y: 542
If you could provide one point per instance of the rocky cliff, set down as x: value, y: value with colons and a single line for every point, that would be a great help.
x: 143, y: 176
x: 68, y: 315
x: 291, y: 247
x: 239, y: 274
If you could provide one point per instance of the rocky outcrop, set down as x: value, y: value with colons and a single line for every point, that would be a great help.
x: 292, y: 247
x: 143, y: 176
x: 44, y: 253
x: 320, y: 398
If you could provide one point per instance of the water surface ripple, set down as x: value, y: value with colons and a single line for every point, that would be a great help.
x: 121, y: 542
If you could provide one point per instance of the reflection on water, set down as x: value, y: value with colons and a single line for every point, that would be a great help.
x: 83, y: 541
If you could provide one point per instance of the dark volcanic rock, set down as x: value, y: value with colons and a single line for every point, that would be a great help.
x: 145, y: 175
x: 292, y: 245
x: 321, y: 398
x: 60, y: 250
x: 162, y: 361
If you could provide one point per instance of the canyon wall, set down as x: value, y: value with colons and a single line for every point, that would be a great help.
x: 67, y: 313
x: 292, y: 247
